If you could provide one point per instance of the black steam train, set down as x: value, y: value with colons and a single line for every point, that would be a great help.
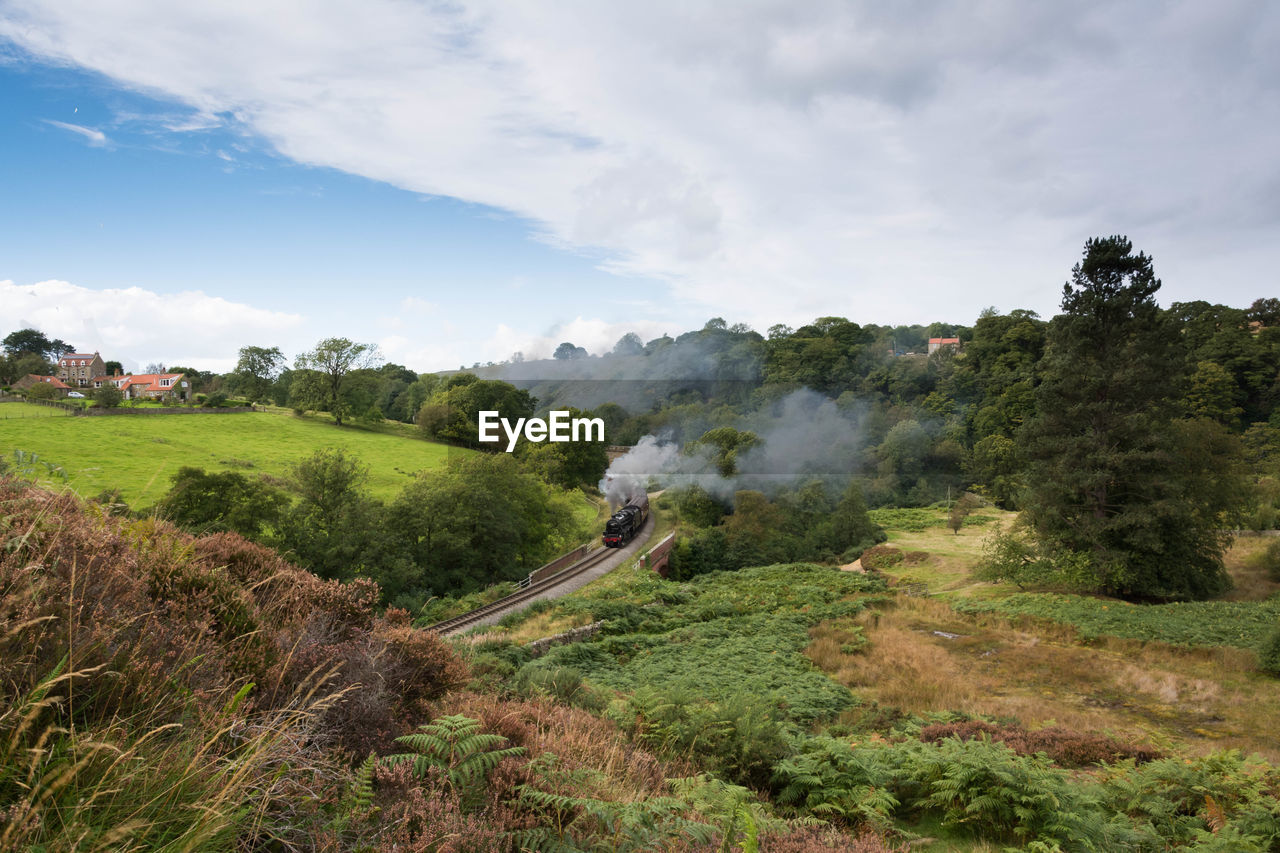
x: 624, y: 524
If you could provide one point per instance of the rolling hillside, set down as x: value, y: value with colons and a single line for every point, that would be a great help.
x: 139, y: 454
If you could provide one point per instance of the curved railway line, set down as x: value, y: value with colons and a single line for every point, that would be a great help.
x: 542, y: 587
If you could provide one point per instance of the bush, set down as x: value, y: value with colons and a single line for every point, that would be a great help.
x: 1269, y: 560
x: 1067, y: 748
x: 1269, y: 654
x: 881, y: 557
x: 108, y: 396
x: 41, y: 391
x: 215, y: 400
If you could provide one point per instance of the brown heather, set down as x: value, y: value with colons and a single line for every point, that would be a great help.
x: 196, y: 693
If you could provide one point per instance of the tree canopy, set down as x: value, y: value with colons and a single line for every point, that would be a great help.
x: 1116, y: 478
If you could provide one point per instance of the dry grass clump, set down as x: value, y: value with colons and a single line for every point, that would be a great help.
x: 1068, y: 748
x: 1042, y: 674
x: 157, y: 689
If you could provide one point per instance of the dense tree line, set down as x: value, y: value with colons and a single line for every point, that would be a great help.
x: 481, y: 520
x: 1128, y: 432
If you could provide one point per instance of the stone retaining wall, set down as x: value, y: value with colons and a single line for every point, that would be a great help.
x: 537, y: 648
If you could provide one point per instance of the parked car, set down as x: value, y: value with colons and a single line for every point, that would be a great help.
x: 75, y: 394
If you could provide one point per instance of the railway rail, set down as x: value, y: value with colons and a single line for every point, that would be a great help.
x: 467, y: 620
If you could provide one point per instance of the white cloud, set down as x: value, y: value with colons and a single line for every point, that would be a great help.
x: 882, y: 161
x: 137, y: 326
x: 95, y: 137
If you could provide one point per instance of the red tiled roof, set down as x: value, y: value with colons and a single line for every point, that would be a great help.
x: 52, y: 380
x: 151, y: 381
x: 944, y: 340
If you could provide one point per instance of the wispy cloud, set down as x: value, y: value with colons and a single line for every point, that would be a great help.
x: 95, y: 137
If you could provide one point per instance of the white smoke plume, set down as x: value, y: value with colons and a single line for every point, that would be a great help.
x: 804, y: 436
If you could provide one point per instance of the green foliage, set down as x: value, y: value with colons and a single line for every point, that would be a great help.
x: 452, y: 413
x: 108, y: 396
x: 911, y: 519
x: 1013, y: 556
x: 482, y: 520
x: 1269, y: 560
x: 454, y: 746
x: 1269, y: 652
x: 256, y: 370
x: 719, y: 673
x: 206, y: 502
x: 332, y: 526
x: 725, y: 445
x: 1113, y: 475
x: 577, y: 823
x: 976, y: 785
x: 1243, y: 624
x: 567, y: 464
x: 325, y: 378
x: 801, y: 523
x: 42, y: 391
x: 1176, y: 801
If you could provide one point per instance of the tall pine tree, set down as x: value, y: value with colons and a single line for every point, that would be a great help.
x: 1117, y: 478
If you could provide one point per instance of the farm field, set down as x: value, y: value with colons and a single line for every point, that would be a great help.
x: 139, y: 454
x: 10, y: 411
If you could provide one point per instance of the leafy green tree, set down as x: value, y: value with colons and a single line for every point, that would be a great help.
x: 41, y: 391
x: 629, y: 344
x: 334, y: 528
x: 1211, y: 394
x: 257, y: 369
x: 14, y: 367
x: 726, y: 445
x: 34, y: 342
x: 113, y: 367
x: 323, y: 380
x: 208, y: 501
x: 567, y: 464
x: 1111, y: 476
x: 827, y: 355
x: 108, y: 396
x: 480, y: 521
x: 452, y: 413
x: 696, y: 506
x: 567, y: 351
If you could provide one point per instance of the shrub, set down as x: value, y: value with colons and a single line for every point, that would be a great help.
x: 1065, y: 747
x: 1269, y: 560
x: 1269, y: 653
x: 881, y: 557
x: 108, y: 396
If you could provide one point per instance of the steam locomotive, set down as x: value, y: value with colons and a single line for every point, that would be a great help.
x: 624, y: 524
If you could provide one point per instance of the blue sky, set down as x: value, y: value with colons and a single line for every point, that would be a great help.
x: 458, y: 182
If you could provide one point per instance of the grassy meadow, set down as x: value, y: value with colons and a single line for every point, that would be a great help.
x: 139, y: 454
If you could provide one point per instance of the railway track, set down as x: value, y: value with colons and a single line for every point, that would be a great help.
x: 467, y: 620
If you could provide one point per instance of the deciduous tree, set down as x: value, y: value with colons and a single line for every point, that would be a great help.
x: 329, y: 367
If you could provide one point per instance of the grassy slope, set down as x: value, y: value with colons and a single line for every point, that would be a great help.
x: 9, y: 411
x: 1042, y: 672
x: 138, y: 454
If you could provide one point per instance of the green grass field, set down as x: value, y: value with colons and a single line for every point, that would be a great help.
x: 139, y: 454
x: 10, y: 411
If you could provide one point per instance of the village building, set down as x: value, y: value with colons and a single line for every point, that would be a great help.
x: 936, y: 344
x: 148, y: 386
x: 33, y: 379
x: 77, y: 369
